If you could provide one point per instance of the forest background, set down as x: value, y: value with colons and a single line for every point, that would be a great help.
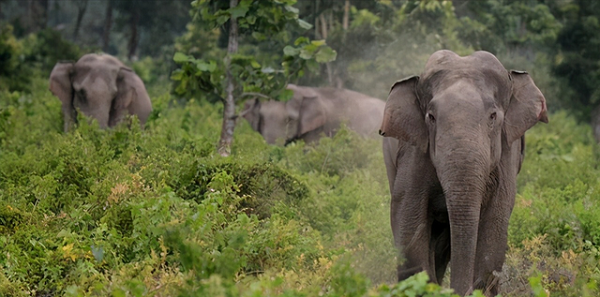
x: 159, y: 212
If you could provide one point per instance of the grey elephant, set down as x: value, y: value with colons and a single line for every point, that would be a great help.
x: 313, y: 112
x: 276, y: 121
x: 101, y: 87
x: 454, y: 145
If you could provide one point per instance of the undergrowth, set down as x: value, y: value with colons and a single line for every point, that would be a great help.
x: 155, y: 212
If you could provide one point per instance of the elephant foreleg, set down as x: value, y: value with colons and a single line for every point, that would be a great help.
x: 411, y: 226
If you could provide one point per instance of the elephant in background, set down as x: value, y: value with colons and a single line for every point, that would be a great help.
x: 312, y: 112
x: 101, y: 87
x: 276, y: 121
x: 454, y: 145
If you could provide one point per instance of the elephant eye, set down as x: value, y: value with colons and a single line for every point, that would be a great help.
x: 493, y: 116
x: 430, y: 117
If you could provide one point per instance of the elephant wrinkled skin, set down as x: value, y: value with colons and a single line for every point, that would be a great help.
x: 313, y: 112
x: 101, y: 87
x: 454, y: 145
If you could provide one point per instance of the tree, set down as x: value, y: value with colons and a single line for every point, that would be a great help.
x: 107, y: 26
x: 578, y: 56
x: 81, y: 8
x: 238, y: 76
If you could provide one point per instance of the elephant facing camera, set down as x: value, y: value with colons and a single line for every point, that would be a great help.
x: 100, y: 87
x: 454, y: 143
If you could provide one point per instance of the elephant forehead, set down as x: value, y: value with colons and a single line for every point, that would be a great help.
x: 460, y: 96
x: 273, y: 108
x: 94, y: 83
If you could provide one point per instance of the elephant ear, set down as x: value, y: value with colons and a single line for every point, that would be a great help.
x: 251, y: 113
x: 312, y: 115
x: 527, y: 106
x: 60, y: 82
x: 402, y: 116
x: 126, y: 93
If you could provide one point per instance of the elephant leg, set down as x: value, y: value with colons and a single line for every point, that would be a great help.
x: 492, y: 243
x: 411, y: 226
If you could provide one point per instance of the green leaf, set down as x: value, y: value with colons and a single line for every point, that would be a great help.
x: 180, y: 57
x: 286, y: 95
x: 290, y: 51
x: 222, y: 20
x: 254, y: 64
x: 240, y: 10
x: 301, y: 40
x: 325, y: 54
x: 177, y: 75
x: 259, y: 36
x: 292, y: 9
x: 304, y: 25
x: 251, y: 19
x: 206, y: 66
x: 318, y: 42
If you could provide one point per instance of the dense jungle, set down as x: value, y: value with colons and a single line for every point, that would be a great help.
x: 197, y: 203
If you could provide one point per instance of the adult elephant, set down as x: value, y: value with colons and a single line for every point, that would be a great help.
x: 313, y: 112
x: 456, y: 146
x: 101, y: 87
x: 276, y: 121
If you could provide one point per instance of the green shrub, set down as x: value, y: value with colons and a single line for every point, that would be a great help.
x: 14, y: 75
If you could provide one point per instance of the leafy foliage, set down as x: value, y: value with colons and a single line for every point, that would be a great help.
x: 14, y: 76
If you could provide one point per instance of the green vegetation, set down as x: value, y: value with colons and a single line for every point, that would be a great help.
x: 158, y: 212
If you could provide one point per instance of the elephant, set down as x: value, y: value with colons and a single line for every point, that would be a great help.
x: 313, y: 112
x: 274, y: 120
x: 101, y: 87
x: 453, y: 146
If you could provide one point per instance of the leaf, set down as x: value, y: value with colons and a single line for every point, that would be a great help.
x: 177, y: 75
x: 268, y: 70
x: 286, y: 95
x: 63, y: 233
x: 290, y: 51
x: 318, y: 42
x: 254, y: 64
x: 325, y: 54
x: 304, y: 25
x: 301, y: 40
x: 292, y: 9
x: 259, y: 36
x: 222, y: 20
x: 206, y: 66
x: 306, y: 55
x: 180, y: 57
x: 240, y: 10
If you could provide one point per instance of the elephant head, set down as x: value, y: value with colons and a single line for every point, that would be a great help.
x: 460, y: 128
x: 272, y: 119
x: 101, y: 87
x: 323, y: 110
x: 312, y: 112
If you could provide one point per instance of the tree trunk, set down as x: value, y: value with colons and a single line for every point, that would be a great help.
x: 315, y: 11
x: 346, y: 15
x: 107, y: 27
x: 224, y: 148
x: 133, y: 39
x: 81, y: 8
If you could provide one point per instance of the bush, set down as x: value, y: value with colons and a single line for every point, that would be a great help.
x: 157, y: 212
x: 14, y: 76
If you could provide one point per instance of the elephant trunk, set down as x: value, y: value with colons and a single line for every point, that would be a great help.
x: 462, y: 171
